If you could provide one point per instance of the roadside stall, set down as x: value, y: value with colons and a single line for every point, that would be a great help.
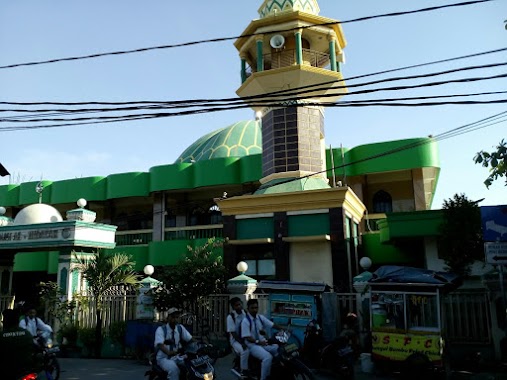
x: 293, y: 304
x: 406, y: 317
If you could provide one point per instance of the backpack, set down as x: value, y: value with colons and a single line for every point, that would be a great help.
x: 36, y: 323
x: 250, y: 322
x: 180, y: 333
x: 238, y: 329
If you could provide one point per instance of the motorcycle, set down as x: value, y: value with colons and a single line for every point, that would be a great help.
x: 286, y: 365
x: 51, y: 366
x: 335, y: 358
x: 195, y: 364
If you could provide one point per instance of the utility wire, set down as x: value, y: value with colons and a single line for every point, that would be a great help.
x: 208, y: 102
x: 221, y: 39
x: 228, y: 106
x: 266, y: 94
x: 99, y: 110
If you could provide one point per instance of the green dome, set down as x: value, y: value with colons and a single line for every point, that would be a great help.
x: 237, y: 140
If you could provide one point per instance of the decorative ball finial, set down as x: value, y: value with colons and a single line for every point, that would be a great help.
x: 2, y: 210
x: 365, y: 263
x: 148, y: 270
x: 81, y: 203
x: 242, y: 267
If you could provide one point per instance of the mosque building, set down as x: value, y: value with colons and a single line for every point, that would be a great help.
x: 280, y: 200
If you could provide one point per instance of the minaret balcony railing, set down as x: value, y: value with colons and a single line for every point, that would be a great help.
x: 286, y: 58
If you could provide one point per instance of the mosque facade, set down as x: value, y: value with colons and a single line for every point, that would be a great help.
x: 270, y: 188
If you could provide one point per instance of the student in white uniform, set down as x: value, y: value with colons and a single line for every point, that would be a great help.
x: 169, y: 339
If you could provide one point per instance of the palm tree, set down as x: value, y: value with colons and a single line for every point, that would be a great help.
x: 102, y: 272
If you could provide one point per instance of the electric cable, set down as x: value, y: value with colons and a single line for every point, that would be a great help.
x: 221, y: 39
x: 276, y: 92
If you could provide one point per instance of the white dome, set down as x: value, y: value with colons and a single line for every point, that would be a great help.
x: 38, y: 213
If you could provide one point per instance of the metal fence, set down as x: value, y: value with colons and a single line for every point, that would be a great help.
x: 120, y: 305
x: 467, y: 317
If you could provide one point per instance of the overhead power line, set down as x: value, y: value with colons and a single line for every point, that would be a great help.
x: 214, y: 107
x: 221, y: 39
x: 144, y: 105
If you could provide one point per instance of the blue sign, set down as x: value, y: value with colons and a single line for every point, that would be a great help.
x: 494, y: 223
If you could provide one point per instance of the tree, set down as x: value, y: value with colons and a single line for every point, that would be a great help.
x: 102, y: 272
x: 200, y: 273
x: 496, y: 160
x: 460, y: 242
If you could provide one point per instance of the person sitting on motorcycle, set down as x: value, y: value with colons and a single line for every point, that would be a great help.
x: 253, y: 333
x: 169, y: 340
x: 33, y: 324
x: 16, y: 348
x: 350, y: 332
x: 234, y: 320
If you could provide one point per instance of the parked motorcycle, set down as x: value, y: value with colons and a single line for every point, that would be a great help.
x: 286, y: 365
x: 51, y: 366
x: 196, y: 364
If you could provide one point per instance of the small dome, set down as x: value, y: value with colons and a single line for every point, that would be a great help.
x: 38, y: 213
x: 272, y: 7
x: 237, y: 140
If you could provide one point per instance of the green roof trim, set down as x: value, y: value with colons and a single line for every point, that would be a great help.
x: 220, y: 171
x: 28, y: 195
x: 172, y: 177
x: 383, y: 254
x: 415, y: 224
x: 70, y: 190
x: 390, y: 156
x: 9, y: 195
x: 229, y: 170
x: 124, y: 185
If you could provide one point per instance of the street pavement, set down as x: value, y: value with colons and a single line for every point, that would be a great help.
x: 119, y: 369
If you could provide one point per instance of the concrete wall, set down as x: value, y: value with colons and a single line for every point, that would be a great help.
x: 311, y: 262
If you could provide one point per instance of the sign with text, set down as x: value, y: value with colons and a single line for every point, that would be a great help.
x: 66, y: 233
x: 496, y: 253
x: 398, y: 347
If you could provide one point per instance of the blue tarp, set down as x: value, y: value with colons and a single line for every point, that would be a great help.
x: 407, y: 275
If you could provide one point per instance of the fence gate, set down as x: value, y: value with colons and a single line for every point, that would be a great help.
x: 467, y: 317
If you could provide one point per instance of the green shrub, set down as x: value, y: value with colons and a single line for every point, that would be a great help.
x: 70, y: 332
x: 87, y: 338
x: 117, y: 332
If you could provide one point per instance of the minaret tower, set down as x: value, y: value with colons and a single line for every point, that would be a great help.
x: 289, y: 48
x: 295, y: 226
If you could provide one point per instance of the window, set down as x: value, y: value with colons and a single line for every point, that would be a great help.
x: 382, y: 202
x: 261, y: 268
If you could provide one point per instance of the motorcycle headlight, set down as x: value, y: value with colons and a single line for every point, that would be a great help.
x: 208, y: 376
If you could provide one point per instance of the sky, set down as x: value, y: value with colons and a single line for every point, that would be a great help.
x: 33, y: 30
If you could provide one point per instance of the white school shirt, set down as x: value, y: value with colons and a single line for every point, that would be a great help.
x: 160, y: 338
x: 252, y: 329
x: 34, y: 325
x: 234, y: 326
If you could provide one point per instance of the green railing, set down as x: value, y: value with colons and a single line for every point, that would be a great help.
x: 144, y: 237
x: 137, y: 237
x: 194, y: 232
